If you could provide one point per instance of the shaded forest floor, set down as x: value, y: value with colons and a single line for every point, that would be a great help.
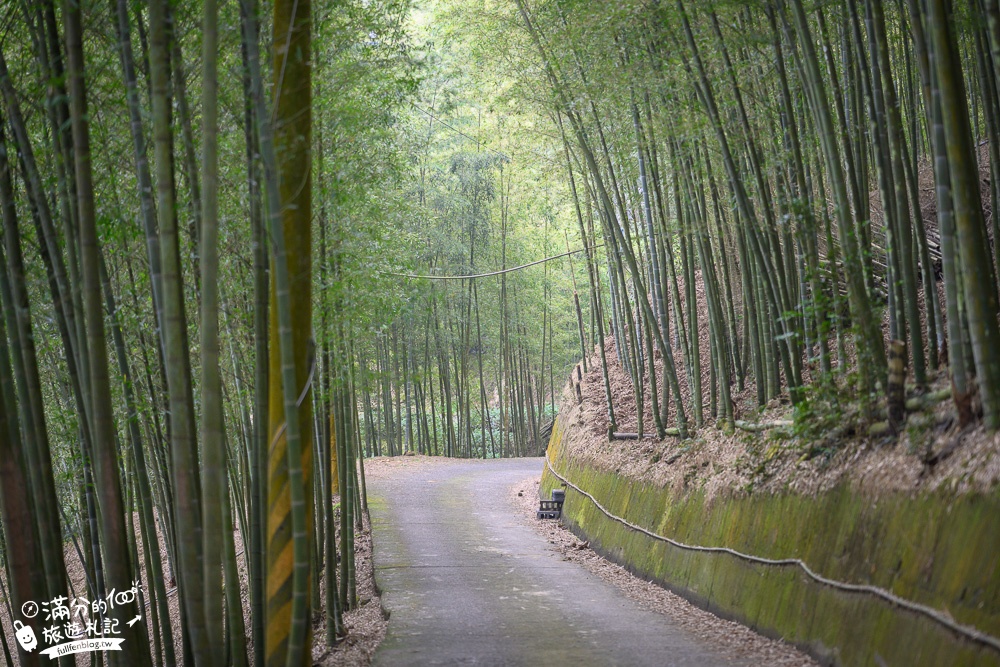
x: 365, y: 625
x: 932, y: 453
x: 828, y: 444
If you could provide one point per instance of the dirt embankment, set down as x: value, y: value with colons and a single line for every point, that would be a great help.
x: 932, y: 453
x: 828, y: 445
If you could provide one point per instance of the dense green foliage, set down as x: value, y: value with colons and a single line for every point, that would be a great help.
x: 246, y: 247
x: 774, y: 160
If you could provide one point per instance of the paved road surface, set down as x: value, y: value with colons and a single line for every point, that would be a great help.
x: 466, y: 582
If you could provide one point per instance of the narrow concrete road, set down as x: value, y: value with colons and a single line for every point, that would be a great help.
x: 466, y: 582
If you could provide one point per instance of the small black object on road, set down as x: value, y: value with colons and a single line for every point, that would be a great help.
x: 552, y: 509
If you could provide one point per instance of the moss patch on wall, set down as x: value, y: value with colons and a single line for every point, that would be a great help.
x: 940, y: 550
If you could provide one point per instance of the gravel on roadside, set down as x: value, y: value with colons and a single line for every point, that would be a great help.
x: 730, y: 637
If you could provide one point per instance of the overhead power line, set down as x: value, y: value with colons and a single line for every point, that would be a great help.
x: 457, y: 131
x: 494, y: 273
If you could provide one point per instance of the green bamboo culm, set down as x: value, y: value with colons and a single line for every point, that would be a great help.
x: 20, y: 532
x: 214, y: 487
x: 184, y: 471
x: 981, y: 303
x: 285, y: 154
x: 115, y: 552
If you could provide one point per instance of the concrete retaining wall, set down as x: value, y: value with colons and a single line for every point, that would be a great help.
x: 938, y: 550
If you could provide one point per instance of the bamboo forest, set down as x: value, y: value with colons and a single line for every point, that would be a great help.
x: 317, y: 314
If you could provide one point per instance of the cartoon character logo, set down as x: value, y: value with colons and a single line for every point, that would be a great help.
x: 25, y: 636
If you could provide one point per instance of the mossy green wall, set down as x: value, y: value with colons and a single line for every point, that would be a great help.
x: 939, y: 549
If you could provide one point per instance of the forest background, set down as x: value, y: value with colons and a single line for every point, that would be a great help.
x: 247, y: 247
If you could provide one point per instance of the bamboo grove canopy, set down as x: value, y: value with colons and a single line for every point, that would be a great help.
x: 223, y: 224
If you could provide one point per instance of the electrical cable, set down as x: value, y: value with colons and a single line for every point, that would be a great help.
x: 493, y: 273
